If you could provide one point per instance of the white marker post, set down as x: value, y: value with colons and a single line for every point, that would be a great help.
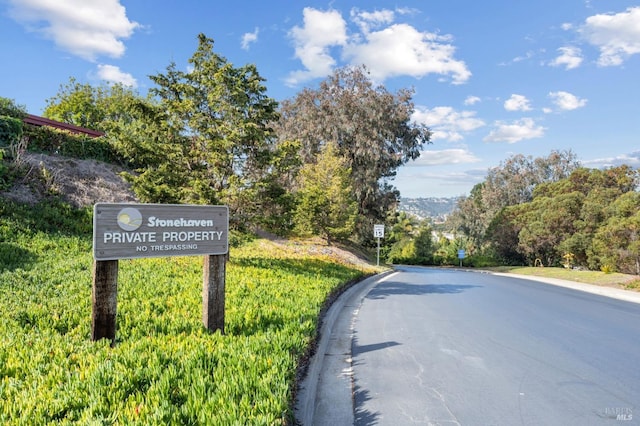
x: 378, y: 232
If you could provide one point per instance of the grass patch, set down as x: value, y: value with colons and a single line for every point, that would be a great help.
x: 165, y: 368
x: 588, y: 277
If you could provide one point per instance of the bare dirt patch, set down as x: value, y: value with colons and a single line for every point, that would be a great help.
x: 79, y: 182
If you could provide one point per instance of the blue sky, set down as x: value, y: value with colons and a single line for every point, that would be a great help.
x: 491, y: 79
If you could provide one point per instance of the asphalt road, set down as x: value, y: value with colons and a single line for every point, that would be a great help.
x: 445, y: 347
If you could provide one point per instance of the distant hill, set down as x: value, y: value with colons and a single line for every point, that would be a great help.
x: 437, y: 208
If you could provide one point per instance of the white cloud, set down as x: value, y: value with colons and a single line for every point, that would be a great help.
x: 632, y: 159
x: 401, y: 49
x: 387, y: 49
x: 566, y: 101
x: 517, y: 103
x: 616, y: 35
x: 472, y: 100
x: 368, y: 20
x: 570, y: 57
x: 113, y: 74
x: 248, y: 38
x: 567, y: 26
x: 516, y: 131
x: 321, y: 30
x: 447, y: 123
x: 444, y: 157
x: 85, y: 28
x: 530, y: 54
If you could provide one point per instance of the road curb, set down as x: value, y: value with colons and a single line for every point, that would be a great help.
x: 327, y: 384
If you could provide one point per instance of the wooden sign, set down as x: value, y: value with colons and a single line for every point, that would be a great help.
x: 129, y: 231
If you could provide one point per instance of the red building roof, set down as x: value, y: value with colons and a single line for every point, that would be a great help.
x: 41, y: 121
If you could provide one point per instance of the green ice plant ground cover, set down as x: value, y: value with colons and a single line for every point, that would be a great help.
x: 165, y: 367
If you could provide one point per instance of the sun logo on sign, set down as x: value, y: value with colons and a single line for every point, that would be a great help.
x: 129, y: 219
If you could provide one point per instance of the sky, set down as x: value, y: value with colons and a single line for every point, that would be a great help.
x: 491, y: 79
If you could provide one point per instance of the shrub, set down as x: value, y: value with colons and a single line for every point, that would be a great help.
x: 633, y: 285
x: 482, y: 261
x: 9, y: 108
x: 55, y: 141
x: 607, y: 269
x: 10, y: 130
x: 3, y: 171
x: 7, y: 172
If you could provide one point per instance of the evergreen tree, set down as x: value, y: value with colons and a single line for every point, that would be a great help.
x: 325, y: 203
x: 225, y: 114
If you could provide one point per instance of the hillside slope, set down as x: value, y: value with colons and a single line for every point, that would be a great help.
x: 83, y: 183
x: 79, y: 182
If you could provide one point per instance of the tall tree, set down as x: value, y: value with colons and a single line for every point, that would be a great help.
x: 566, y: 219
x: 371, y: 128
x: 204, y: 136
x: 502, y: 236
x: 226, y: 114
x: 600, y: 189
x: 511, y: 183
x: 545, y: 223
x: 616, y: 244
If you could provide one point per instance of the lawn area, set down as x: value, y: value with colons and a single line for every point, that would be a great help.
x: 614, y: 279
x: 165, y: 367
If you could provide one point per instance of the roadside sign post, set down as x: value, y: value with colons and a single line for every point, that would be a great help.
x: 131, y: 231
x: 461, y: 255
x: 378, y: 232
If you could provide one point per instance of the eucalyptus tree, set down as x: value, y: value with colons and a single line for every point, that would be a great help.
x: 371, y: 129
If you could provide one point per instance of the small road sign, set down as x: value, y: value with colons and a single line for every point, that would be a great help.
x: 378, y: 231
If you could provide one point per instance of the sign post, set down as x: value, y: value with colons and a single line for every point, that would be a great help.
x: 461, y: 255
x: 131, y: 231
x: 213, y: 285
x: 378, y: 232
x: 104, y: 299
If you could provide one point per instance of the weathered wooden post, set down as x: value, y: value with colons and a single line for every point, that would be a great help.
x: 213, y: 292
x: 104, y: 300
